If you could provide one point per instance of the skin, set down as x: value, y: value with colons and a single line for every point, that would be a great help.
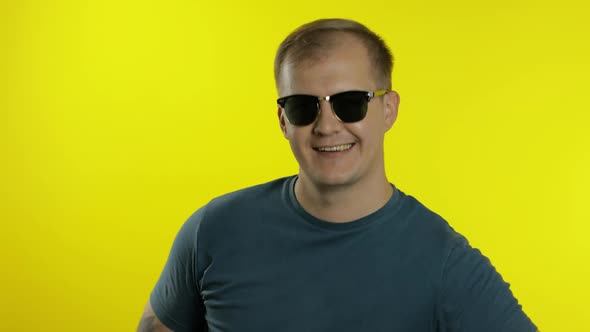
x: 149, y: 322
x: 353, y: 184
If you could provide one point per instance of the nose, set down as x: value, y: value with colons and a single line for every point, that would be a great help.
x: 327, y: 123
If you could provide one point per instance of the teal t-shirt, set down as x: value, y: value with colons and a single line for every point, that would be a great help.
x: 255, y: 260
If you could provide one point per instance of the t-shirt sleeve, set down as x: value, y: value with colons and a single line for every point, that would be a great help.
x: 176, y: 299
x: 476, y: 298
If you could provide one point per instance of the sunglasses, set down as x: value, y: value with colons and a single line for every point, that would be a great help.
x: 347, y: 106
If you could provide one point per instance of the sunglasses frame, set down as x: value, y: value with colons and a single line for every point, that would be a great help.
x: 369, y: 95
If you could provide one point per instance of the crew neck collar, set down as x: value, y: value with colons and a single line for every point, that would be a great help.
x: 390, y: 208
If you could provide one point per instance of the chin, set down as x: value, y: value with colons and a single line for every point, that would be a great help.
x: 332, y: 179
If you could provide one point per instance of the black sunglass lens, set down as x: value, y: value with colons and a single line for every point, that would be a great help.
x: 350, y: 106
x: 301, y: 110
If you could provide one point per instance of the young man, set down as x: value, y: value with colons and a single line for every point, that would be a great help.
x: 336, y: 247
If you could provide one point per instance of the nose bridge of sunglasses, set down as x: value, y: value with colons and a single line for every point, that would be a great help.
x: 326, y: 108
x: 324, y: 100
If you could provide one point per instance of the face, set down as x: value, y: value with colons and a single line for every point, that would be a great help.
x: 345, y: 67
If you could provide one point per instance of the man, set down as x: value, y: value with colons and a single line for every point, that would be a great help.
x: 337, y: 247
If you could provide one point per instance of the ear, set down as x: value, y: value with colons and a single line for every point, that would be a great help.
x: 392, y: 100
x: 282, y: 122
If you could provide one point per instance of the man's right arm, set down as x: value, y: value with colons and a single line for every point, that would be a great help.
x: 150, y: 322
x: 176, y: 296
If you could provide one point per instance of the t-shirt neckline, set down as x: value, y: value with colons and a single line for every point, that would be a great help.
x: 390, y: 208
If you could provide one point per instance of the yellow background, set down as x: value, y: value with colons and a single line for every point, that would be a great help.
x: 118, y: 119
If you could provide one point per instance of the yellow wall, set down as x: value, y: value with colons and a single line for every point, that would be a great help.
x: 119, y: 118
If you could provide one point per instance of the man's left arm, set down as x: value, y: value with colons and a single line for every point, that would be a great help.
x: 474, y: 296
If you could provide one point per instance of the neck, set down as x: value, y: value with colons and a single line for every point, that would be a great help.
x: 342, y: 203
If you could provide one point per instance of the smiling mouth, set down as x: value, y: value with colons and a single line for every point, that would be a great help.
x: 335, y: 148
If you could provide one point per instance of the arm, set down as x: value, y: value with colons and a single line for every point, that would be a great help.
x: 175, y: 303
x: 149, y: 322
x: 475, y: 297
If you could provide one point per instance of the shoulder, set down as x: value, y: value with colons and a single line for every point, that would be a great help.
x: 239, y: 205
x: 427, y: 237
x: 248, y: 198
x: 425, y: 224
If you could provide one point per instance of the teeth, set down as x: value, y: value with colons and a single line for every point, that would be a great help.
x: 343, y: 147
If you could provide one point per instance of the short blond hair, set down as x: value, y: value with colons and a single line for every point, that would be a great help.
x: 309, y: 40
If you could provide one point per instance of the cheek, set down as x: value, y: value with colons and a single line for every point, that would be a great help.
x: 375, y: 126
x: 291, y: 133
x: 297, y: 140
x: 369, y: 133
x: 364, y: 131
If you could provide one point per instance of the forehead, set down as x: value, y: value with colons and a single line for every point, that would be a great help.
x: 344, y: 65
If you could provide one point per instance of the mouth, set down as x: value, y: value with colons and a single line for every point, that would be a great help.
x: 334, y: 148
